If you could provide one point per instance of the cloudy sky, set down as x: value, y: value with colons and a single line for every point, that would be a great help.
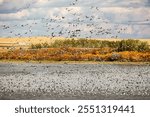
x: 75, y: 18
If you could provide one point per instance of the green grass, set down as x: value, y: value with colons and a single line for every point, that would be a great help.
x: 119, y: 46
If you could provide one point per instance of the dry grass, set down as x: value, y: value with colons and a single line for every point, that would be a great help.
x: 76, y: 54
x: 36, y: 40
x: 8, y: 43
x: 29, y: 40
x: 66, y: 54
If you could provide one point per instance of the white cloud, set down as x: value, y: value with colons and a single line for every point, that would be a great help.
x: 15, y: 16
x: 1, y: 1
x: 120, y: 12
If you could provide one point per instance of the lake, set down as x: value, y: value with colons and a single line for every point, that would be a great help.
x: 74, y: 81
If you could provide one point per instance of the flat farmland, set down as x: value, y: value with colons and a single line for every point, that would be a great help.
x: 26, y: 42
x: 8, y: 43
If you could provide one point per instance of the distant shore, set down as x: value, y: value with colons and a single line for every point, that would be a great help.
x: 74, y: 62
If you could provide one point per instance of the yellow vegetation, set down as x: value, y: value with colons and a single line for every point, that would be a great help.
x: 75, y: 54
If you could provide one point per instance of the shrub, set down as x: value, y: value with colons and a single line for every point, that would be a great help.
x: 76, y: 54
x: 115, y: 57
x: 132, y: 45
x: 143, y: 46
x: 119, y: 46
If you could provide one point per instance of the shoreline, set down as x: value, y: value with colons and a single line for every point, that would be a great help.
x: 75, y: 62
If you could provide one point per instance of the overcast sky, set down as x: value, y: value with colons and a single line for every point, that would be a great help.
x: 75, y: 18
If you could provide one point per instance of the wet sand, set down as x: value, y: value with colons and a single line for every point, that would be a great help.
x: 74, y: 81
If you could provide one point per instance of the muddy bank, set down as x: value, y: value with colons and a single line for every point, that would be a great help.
x: 74, y: 81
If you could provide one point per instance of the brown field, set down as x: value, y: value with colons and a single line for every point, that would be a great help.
x: 65, y: 54
x: 8, y: 43
x: 28, y: 40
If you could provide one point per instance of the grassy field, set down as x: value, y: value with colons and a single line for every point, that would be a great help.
x: 8, y: 43
x: 28, y: 41
x: 62, y: 49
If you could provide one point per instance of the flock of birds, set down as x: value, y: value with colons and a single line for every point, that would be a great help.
x: 81, y: 25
